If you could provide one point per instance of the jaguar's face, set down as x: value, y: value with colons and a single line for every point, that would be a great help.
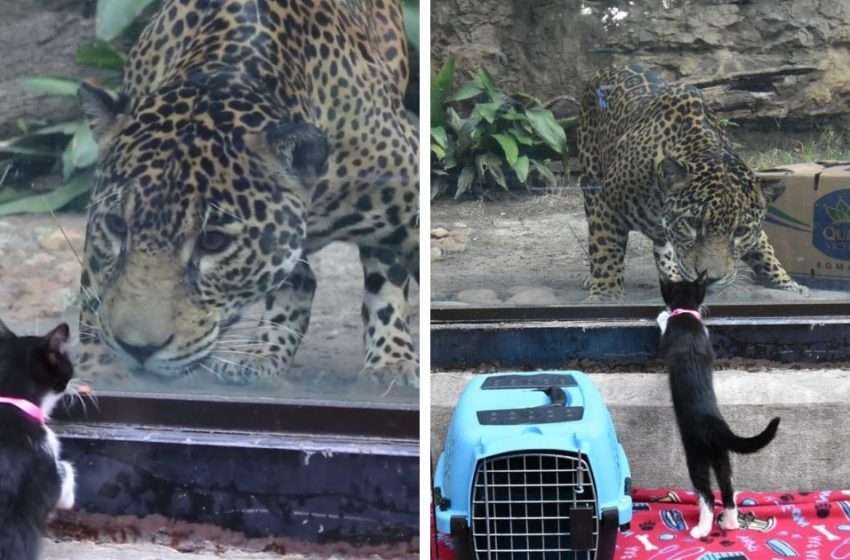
x: 187, y: 230
x: 713, y: 214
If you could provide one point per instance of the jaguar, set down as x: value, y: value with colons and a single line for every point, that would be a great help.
x: 655, y: 158
x: 245, y: 136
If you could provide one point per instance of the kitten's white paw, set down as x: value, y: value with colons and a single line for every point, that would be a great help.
x: 729, y: 520
x: 699, y: 532
x: 69, y: 485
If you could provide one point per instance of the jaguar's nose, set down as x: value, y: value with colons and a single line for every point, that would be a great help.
x: 142, y: 353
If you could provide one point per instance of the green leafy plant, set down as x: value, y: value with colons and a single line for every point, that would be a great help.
x: 501, y: 140
x: 66, y: 148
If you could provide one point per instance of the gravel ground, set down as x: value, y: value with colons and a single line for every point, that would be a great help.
x: 531, y: 250
x: 39, y: 285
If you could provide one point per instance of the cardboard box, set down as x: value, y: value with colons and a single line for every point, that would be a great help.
x: 809, y: 225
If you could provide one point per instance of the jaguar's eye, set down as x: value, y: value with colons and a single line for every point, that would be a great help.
x: 115, y: 224
x: 212, y: 242
x: 742, y: 231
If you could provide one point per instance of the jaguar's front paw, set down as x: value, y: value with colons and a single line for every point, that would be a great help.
x: 404, y: 373
x: 789, y: 285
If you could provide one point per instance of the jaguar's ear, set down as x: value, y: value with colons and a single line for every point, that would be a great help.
x: 101, y: 108
x: 671, y: 174
x: 772, y: 188
x: 301, y: 147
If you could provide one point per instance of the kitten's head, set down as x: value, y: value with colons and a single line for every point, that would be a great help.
x: 685, y: 294
x: 35, y: 368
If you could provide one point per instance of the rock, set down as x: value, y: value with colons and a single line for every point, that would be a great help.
x: 55, y: 241
x: 461, y: 231
x: 451, y: 245
x: 683, y: 40
x: 439, y: 233
x: 436, y: 254
x: 534, y: 296
x: 480, y: 295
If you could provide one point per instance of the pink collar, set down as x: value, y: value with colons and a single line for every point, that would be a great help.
x: 679, y: 311
x: 31, y: 409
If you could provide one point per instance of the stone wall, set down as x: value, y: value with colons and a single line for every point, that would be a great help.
x: 549, y: 48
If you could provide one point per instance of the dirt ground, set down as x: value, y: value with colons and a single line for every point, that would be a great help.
x: 39, y: 285
x: 531, y: 250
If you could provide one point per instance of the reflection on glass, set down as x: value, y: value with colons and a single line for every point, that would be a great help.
x: 235, y: 146
x: 581, y: 151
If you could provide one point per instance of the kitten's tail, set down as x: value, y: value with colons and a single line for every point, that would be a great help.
x: 722, y: 436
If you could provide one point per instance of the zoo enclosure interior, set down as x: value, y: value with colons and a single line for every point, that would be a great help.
x: 774, y: 73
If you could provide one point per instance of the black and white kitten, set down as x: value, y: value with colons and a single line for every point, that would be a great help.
x: 706, y: 436
x: 34, y: 375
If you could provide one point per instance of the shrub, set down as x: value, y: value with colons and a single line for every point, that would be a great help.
x: 501, y: 140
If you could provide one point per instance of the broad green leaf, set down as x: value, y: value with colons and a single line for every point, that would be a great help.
x: 467, y: 91
x: 410, y: 9
x: 464, y: 181
x: 522, y: 136
x: 467, y: 136
x: 526, y: 100
x: 490, y: 164
x: 438, y: 151
x: 487, y: 111
x: 98, y: 54
x: 454, y: 120
x: 114, y: 16
x: 545, y: 125
x: 509, y: 146
x: 489, y: 87
x: 441, y: 84
x: 69, y: 128
x: 48, y: 84
x: 514, y: 116
x: 521, y: 168
x: 438, y: 133
x: 544, y: 170
x: 54, y: 200
x: 81, y: 151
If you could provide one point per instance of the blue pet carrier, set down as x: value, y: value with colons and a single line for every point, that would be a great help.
x: 532, y: 469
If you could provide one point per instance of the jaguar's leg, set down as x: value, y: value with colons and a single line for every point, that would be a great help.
x: 768, y: 269
x: 608, y: 237
x: 665, y: 261
x: 249, y: 351
x: 390, y: 355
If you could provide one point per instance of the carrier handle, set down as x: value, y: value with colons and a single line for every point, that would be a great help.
x: 558, y: 396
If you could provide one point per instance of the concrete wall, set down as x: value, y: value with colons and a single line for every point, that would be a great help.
x: 810, y: 452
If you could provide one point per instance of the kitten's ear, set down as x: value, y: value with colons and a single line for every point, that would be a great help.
x: 702, y: 284
x: 55, y: 342
x: 665, y: 291
x: 5, y: 332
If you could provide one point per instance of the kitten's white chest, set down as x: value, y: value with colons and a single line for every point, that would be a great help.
x: 662, y: 319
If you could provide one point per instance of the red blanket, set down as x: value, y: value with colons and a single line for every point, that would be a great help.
x: 813, y: 525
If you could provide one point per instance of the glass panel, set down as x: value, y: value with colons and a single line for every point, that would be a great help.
x: 531, y: 125
x: 190, y: 218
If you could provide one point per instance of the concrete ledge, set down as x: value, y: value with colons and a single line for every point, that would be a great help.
x: 810, y: 452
